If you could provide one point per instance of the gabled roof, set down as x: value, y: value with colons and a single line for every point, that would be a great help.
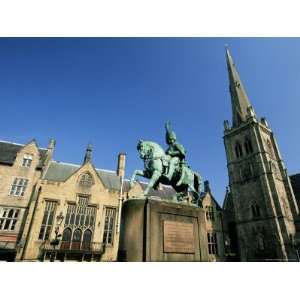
x: 60, y: 171
x: 8, y: 153
x: 202, y: 196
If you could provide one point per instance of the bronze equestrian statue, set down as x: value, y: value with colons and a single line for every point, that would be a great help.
x: 169, y: 168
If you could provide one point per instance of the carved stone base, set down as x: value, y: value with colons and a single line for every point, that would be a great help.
x: 154, y: 230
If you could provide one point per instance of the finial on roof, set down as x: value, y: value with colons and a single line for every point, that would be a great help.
x: 206, y: 186
x: 51, y: 144
x: 88, y: 153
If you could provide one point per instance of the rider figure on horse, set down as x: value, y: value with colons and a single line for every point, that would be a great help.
x: 175, y: 152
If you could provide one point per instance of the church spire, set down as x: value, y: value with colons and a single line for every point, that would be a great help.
x: 88, y: 154
x: 239, y: 99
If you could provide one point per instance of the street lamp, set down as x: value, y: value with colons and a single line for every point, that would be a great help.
x: 56, y: 240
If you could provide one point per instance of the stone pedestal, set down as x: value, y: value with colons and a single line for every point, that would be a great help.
x: 153, y: 230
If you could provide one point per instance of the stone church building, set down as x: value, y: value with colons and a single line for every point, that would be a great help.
x: 56, y: 211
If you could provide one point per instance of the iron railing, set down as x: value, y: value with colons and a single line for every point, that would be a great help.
x: 70, y: 247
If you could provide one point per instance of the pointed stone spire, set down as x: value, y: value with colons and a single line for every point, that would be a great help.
x: 88, y: 154
x: 239, y: 99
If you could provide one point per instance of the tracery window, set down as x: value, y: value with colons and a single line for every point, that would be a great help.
x: 79, y: 224
x: 86, y: 241
x: 110, y: 214
x: 66, y: 239
x: 76, y: 240
x: 212, y: 243
x: 18, y: 187
x: 86, y: 179
x: 238, y: 150
x: 8, y: 218
x: 48, y: 219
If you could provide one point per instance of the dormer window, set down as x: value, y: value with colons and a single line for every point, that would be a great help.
x: 86, y: 179
x: 27, y: 160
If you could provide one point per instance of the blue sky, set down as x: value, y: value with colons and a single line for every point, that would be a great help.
x: 112, y: 92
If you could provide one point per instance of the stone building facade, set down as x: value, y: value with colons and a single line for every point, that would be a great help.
x: 21, y: 167
x: 80, y: 205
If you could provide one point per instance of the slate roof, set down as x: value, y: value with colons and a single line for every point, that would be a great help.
x: 8, y: 153
x: 59, y: 172
x: 295, y: 182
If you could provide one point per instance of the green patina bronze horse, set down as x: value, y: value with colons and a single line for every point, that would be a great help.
x: 156, y: 164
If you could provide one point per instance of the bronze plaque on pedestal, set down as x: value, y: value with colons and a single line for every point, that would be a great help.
x: 178, y: 237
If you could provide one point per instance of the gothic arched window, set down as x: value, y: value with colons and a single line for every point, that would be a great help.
x: 255, y: 211
x: 260, y: 242
x: 248, y: 146
x: 86, y: 241
x: 86, y: 179
x: 238, y: 150
x: 66, y: 239
x: 76, y: 241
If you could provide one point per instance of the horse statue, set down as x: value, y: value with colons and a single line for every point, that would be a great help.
x: 156, y: 164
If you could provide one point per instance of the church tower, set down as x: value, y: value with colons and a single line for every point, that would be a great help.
x: 263, y: 202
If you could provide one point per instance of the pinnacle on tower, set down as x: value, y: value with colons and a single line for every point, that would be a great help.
x: 88, y: 154
x: 239, y: 99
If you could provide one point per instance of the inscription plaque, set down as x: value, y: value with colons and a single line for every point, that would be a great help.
x: 178, y: 237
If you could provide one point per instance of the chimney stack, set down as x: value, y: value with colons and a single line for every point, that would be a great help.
x: 121, y: 165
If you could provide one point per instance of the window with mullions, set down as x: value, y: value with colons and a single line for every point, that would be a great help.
x: 238, y: 150
x: 209, y: 213
x: 27, y: 160
x: 212, y: 243
x: 248, y: 146
x: 81, y: 215
x: 47, y: 220
x: 18, y: 187
x: 110, y: 214
x: 8, y: 218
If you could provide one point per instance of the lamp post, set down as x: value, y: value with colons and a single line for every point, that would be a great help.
x: 56, y: 240
x: 295, y: 244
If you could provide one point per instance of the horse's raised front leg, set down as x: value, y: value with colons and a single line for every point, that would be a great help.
x: 155, y: 176
x: 136, y: 173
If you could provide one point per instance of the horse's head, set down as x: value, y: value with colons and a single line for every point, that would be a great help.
x: 144, y: 149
